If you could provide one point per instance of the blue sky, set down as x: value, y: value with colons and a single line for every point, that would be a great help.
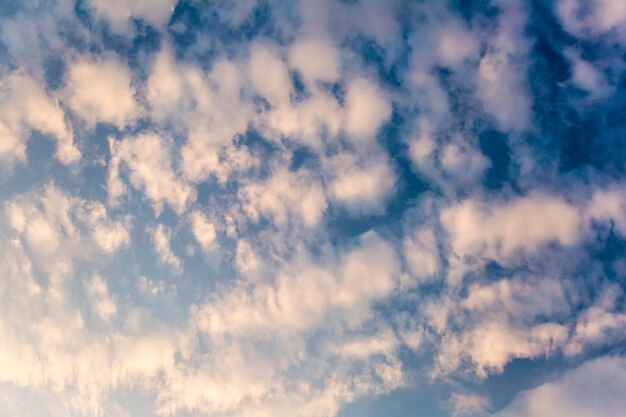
x: 313, y: 208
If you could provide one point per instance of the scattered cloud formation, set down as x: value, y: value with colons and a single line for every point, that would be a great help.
x: 312, y: 208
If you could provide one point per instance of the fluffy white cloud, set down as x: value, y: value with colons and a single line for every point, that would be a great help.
x: 422, y: 257
x: 317, y: 59
x: 161, y: 236
x: 592, y: 18
x: 503, y: 231
x: 468, y: 405
x: 102, y: 303
x: 600, y: 324
x: 119, y: 14
x: 367, y: 109
x: 203, y: 230
x: 498, y: 322
x: 284, y: 196
x: 462, y: 161
x: 609, y: 205
x: 306, y: 293
x: 595, y: 388
x: 26, y: 106
x: 147, y: 157
x: 501, y: 81
x: 55, y: 224
x: 586, y: 76
x: 269, y: 74
x: 362, y: 186
x: 101, y: 91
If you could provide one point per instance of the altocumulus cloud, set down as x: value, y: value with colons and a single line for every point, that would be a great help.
x: 314, y: 208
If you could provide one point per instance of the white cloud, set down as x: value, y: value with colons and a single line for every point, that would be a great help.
x: 456, y: 44
x: 503, y: 231
x: 367, y: 109
x: 586, y: 76
x: 501, y: 81
x: 55, y: 225
x: 147, y: 157
x: 421, y: 253
x: 203, y: 230
x: 468, y: 405
x: 161, y: 244
x: 382, y: 343
x: 269, y: 74
x: 466, y: 164
x: 362, y: 186
x: 26, y: 106
x: 498, y: 322
x: 211, y: 109
x: 595, y: 388
x: 592, y: 18
x: 285, y: 196
x: 101, y: 302
x: 609, y: 205
x: 600, y: 324
x: 317, y: 59
x: 101, y: 91
x: 119, y: 14
x: 305, y: 293
x: 245, y: 257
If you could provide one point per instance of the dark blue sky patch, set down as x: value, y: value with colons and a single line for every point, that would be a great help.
x: 493, y: 144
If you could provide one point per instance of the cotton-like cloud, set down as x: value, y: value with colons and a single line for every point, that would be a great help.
x: 26, y: 106
x: 502, y: 231
x: 284, y: 195
x: 593, y: 18
x: 119, y: 15
x: 366, y: 110
x: 576, y: 393
x: 101, y: 91
x: 468, y: 405
x: 304, y: 294
x: 502, y: 72
x: 203, y: 230
x: 317, y: 59
x: 161, y: 243
x: 150, y: 170
x: 295, y: 215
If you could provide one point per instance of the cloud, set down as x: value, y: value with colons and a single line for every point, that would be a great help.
x: 317, y: 59
x: 362, y: 186
x: 329, y: 162
x: 499, y: 322
x: 503, y: 231
x: 103, y: 305
x: 203, y: 230
x: 119, y: 14
x: 55, y: 224
x: 101, y: 91
x: 366, y: 110
x: 161, y: 237
x: 468, y: 405
x: 26, y: 106
x: 305, y: 293
x: 296, y: 196
x: 501, y: 78
x: 150, y: 170
x: 576, y: 393
x: 269, y: 75
x: 593, y: 18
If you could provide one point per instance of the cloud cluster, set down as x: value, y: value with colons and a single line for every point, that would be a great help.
x: 261, y: 208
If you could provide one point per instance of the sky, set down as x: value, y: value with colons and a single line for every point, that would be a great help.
x: 312, y: 208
